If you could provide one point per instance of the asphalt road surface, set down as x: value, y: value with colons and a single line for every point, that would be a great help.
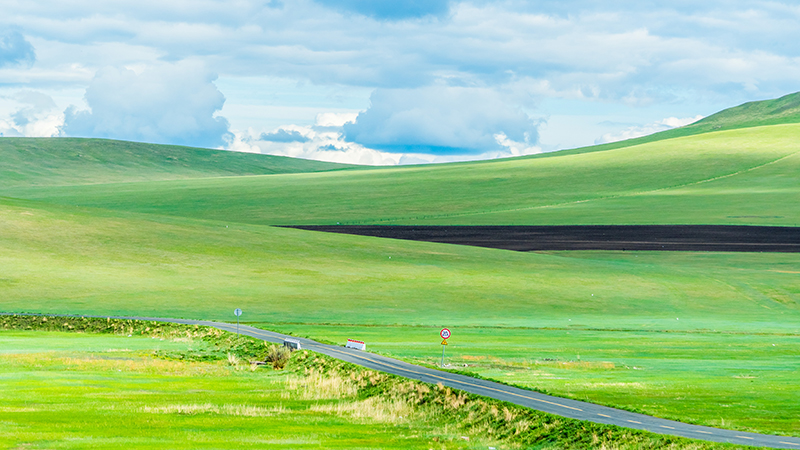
x: 554, y: 405
x: 717, y: 238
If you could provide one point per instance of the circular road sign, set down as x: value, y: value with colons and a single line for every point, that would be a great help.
x: 445, y: 333
x: 237, y: 312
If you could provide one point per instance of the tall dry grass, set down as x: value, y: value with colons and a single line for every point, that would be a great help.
x: 317, y: 385
x: 208, y: 408
x: 374, y: 409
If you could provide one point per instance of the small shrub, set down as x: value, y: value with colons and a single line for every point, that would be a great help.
x: 278, y: 356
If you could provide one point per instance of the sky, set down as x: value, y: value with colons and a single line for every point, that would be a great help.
x: 386, y: 82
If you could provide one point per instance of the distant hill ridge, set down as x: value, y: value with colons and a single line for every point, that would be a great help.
x: 751, y: 114
x: 70, y: 161
x: 75, y: 161
x: 777, y: 111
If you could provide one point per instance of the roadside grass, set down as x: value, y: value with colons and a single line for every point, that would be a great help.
x: 743, y: 381
x: 117, y: 395
x: 684, y: 175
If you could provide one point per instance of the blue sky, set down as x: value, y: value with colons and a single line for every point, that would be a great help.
x: 386, y: 82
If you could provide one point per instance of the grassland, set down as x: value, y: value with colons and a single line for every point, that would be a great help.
x: 698, y: 328
x: 745, y: 176
x: 66, y: 161
x: 779, y: 111
x: 63, y: 390
x: 745, y: 381
x: 679, y: 335
x: 70, y: 391
x: 62, y: 262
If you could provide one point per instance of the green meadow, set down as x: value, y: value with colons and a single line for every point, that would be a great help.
x: 76, y: 391
x: 67, y: 161
x: 708, y: 338
x: 661, y: 333
x: 744, y: 380
x: 745, y: 176
x: 174, y: 387
x: 64, y: 261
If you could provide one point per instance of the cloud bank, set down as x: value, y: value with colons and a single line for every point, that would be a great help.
x: 168, y: 103
x: 325, y: 141
x: 620, y: 51
x: 282, y: 135
x: 35, y: 115
x: 440, y: 120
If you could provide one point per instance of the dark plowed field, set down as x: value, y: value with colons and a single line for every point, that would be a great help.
x: 714, y: 238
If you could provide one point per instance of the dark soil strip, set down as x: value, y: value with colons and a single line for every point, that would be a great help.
x: 716, y: 238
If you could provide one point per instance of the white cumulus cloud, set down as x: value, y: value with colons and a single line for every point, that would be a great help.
x: 440, y: 120
x: 166, y: 103
x: 335, y: 119
x: 33, y: 117
x: 325, y: 141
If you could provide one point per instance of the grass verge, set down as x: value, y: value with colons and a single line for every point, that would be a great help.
x: 737, y: 380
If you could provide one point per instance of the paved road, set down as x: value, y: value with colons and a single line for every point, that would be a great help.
x: 554, y: 405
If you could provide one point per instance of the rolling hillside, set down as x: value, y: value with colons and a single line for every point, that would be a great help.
x: 741, y: 176
x: 738, y: 166
x: 69, y: 161
x: 104, y: 227
x: 675, y: 334
x: 777, y: 111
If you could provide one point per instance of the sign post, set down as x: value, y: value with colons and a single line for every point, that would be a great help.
x: 445, y: 333
x: 237, y: 312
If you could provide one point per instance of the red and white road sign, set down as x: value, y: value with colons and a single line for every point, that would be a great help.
x: 445, y: 333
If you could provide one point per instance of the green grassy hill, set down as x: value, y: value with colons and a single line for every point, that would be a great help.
x: 689, y: 336
x: 752, y: 114
x: 743, y: 176
x: 67, y: 161
x: 777, y: 111
x: 735, y: 167
x: 65, y: 259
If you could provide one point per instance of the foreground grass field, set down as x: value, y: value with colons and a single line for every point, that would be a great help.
x: 71, y: 391
x: 151, y: 390
x: 63, y: 261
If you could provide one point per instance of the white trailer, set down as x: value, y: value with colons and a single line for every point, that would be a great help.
x: 292, y: 344
x: 358, y: 345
